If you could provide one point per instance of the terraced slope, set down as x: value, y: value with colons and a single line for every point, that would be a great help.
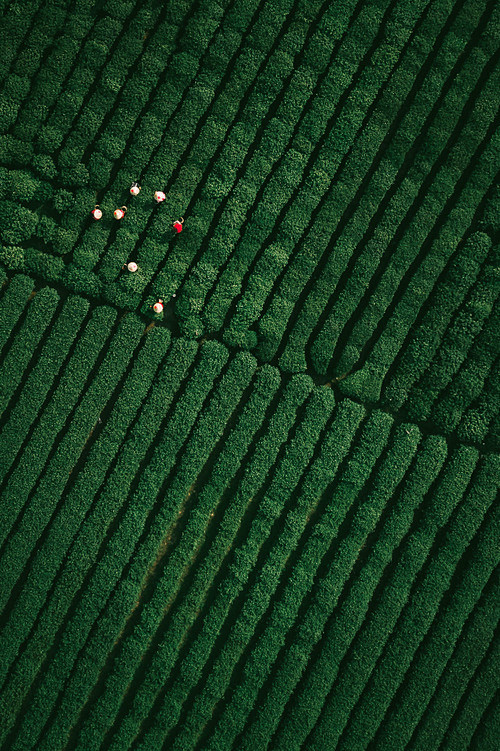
x: 265, y: 517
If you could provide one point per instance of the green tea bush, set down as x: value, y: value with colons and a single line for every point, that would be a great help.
x: 101, y: 456
x: 261, y: 460
x: 270, y: 508
x: 69, y: 389
x: 131, y: 526
x: 16, y: 222
x: 333, y: 671
x: 197, y: 549
x: 40, y: 378
x: 446, y: 296
x: 423, y: 607
x: 455, y: 344
x: 443, y: 636
x: 471, y: 648
x: 38, y: 317
x: 334, y: 263
x: 12, y: 303
x: 263, y: 387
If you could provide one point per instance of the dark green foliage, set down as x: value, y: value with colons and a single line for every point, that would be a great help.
x: 203, y: 547
x: 446, y: 296
x: 467, y: 329
x: 38, y: 316
x: 12, y: 303
x: 63, y: 200
x: 323, y: 680
x: 16, y: 223
x: 39, y: 381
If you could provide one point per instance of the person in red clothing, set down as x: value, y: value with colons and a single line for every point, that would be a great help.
x: 120, y: 213
x: 96, y: 212
x: 177, y: 225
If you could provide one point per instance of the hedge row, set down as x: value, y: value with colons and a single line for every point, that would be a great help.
x: 209, y: 427
x: 339, y: 559
x: 247, y: 558
x: 416, y: 220
x: 476, y: 638
x: 470, y: 323
x: 281, y: 89
x: 282, y: 186
x: 86, y: 546
x: 40, y: 380
x: 48, y: 19
x: 17, y: 223
x: 481, y: 421
x: 294, y: 529
x: 367, y: 383
x: 125, y: 100
x: 481, y: 695
x: 200, y: 524
x: 74, y: 510
x: 357, y: 136
x: 17, y: 21
x: 39, y: 314
x: 417, y: 104
x: 116, y: 551
x: 42, y: 495
x: 232, y: 720
x: 53, y: 419
x: 142, y: 133
x: 470, y: 383
x: 374, y: 600
x: 448, y: 294
x: 294, y: 584
x: 13, y: 299
x: 292, y: 211
x: 421, y: 679
x: 387, y: 641
x: 23, y: 186
x: 278, y: 67
x: 235, y: 502
x: 47, y: 82
x: 146, y: 100
x: 100, y: 73
x: 198, y: 110
x: 31, y: 260
x: 84, y: 553
x: 260, y: 599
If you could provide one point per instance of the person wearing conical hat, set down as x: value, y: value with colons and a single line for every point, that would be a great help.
x: 120, y: 213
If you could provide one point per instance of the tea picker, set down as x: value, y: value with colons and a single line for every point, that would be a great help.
x: 96, y: 212
x: 120, y: 213
x: 177, y: 225
x: 135, y: 189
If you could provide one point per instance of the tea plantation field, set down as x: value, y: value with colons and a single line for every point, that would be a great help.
x: 248, y: 485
